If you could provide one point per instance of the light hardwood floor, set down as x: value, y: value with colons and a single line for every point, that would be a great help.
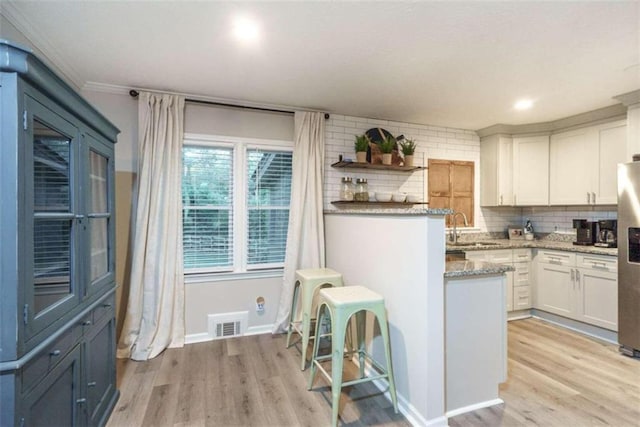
x: 556, y: 378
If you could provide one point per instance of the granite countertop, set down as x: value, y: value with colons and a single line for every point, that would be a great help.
x: 487, y: 244
x: 469, y: 268
x: 387, y: 211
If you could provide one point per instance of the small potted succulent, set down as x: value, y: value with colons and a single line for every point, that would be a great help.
x: 408, y: 147
x: 361, y: 146
x: 387, y: 147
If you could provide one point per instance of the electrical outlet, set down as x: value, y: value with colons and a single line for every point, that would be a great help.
x: 260, y: 305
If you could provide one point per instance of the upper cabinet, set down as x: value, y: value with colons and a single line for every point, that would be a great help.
x: 582, y: 166
x: 496, y: 171
x: 531, y: 170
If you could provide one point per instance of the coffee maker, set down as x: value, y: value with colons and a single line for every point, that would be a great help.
x: 607, y: 233
x: 585, y: 232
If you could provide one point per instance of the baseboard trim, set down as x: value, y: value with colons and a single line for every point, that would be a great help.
x: 582, y: 328
x: 259, y: 330
x: 196, y: 338
x: 474, y: 407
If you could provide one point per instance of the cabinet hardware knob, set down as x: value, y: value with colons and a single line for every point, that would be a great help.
x: 86, y: 323
x: 91, y: 384
x: 55, y: 353
x: 593, y: 196
x: 588, y: 198
x: 106, y: 305
x: 81, y: 400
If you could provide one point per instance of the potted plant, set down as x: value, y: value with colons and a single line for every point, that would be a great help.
x: 408, y: 147
x: 387, y: 147
x: 361, y: 146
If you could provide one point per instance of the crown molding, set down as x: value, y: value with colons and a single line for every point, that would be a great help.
x: 629, y: 98
x: 605, y: 114
x: 106, y: 88
x: 39, y: 41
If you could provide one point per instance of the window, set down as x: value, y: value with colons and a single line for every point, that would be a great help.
x: 235, y: 201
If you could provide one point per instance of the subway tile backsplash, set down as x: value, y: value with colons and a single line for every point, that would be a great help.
x: 438, y: 142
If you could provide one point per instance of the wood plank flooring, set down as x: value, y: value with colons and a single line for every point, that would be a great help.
x: 561, y: 378
x: 556, y: 378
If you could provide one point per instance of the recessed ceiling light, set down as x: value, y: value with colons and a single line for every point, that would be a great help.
x: 245, y: 29
x: 523, y: 104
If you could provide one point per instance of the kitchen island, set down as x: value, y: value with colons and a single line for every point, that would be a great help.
x: 400, y: 253
x: 475, y: 334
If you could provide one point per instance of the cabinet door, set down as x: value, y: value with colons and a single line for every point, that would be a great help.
x: 573, y: 155
x: 52, y: 206
x: 54, y: 401
x: 496, y: 176
x: 597, y: 295
x: 100, y: 369
x: 612, y: 150
x: 531, y: 170
x: 100, y: 177
x: 554, y: 289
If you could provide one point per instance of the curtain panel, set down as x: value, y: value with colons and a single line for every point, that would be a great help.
x: 155, y: 311
x: 305, y: 236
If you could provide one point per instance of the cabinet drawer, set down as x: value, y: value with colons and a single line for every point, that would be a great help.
x: 556, y: 257
x: 49, y: 357
x: 501, y: 256
x: 522, y: 274
x: 521, y: 297
x: 597, y: 262
x: 105, y: 308
x: 521, y: 255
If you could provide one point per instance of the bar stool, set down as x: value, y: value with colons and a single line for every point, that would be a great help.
x: 307, y: 281
x: 340, y: 304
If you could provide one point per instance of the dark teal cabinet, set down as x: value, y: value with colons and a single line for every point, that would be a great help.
x: 57, y: 260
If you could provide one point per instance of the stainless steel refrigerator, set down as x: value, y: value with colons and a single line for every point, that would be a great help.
x: 629, y: 258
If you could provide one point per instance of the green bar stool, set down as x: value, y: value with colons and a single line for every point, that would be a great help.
x: 307, y: 281
x: 340, y: 304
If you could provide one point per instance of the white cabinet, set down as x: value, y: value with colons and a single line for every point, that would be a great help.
x: 612, y: 146
x: 518, y: 282
x: 496, y: 171
x: 573, y: 156
x: 580, y: 287
x: 583, y: 162
x: 531, y: 170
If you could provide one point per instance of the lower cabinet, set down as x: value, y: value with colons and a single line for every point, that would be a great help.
x: 518, y: 281
x: 579, y: 287
x: 70, y: 381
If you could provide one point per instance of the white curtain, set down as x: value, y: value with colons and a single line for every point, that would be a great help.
x: 155, y: 310
x: 305, y: 237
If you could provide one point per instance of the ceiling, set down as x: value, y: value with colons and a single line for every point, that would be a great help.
x: 458, y: 64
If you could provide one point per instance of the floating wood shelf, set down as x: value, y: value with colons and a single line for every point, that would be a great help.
x: 356, y: 165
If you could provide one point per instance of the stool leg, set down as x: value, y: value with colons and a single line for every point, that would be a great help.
x: 384, y: 331
x: 306, y: 325
x: 296, y: 292
x: 316, y: 345
x: 339, y: 327
x: 361, y: 318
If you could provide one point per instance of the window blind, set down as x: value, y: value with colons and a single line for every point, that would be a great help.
x: 268, y: 198
x: 207, y: 200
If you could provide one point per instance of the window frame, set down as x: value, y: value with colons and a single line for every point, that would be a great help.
x: 240, y: 209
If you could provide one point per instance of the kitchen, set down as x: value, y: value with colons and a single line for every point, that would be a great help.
x: 440, y: 139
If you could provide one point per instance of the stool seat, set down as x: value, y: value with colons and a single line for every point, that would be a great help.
x: 351, y: 295
x: 340, y: 304
x: 307, y: 282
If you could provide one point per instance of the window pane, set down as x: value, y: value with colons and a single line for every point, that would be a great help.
x: 207, y: 216
x: 99, y: 247
x: 52, y: 258
x: 267, y: 235
x: 98, y: 180
x: 50, y: 169
x: 268, y: 199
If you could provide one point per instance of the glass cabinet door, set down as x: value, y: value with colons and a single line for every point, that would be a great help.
x: 56, y: 225
x: 100, y: 186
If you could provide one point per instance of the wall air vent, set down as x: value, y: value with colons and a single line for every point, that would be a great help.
x: 227, y: 325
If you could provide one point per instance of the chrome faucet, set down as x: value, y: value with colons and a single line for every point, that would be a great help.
x: 453, y: 234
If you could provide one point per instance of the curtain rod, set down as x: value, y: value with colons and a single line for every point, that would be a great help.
x: 134, y: 93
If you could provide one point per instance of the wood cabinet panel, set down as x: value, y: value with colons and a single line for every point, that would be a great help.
x: 451, y: 185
